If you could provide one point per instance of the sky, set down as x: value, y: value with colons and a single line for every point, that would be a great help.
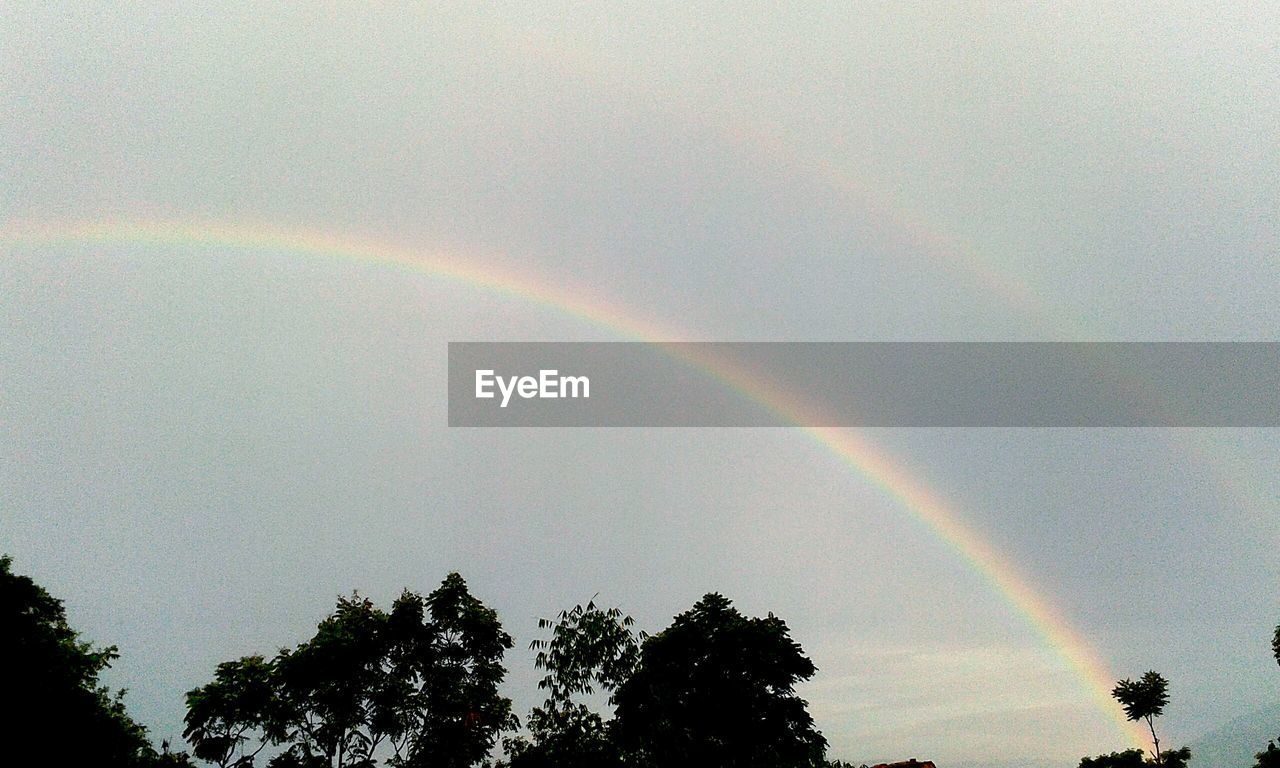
x: 204, y: 444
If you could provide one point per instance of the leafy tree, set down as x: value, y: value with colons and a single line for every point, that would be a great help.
x: 1136, y: 758
x: 589, y: 649
x: 1275, y: 644
x: 1175, y: 758
x: 716, y: 688
x: 1130, y: 758
x: 51, y: 680
x: 417, y: 685
x: 1144, y: 699
x: 568, y: 736
x: 1269, y: 757
x: 459, y: 713
x: 327, y: 685
x: 232, y: 719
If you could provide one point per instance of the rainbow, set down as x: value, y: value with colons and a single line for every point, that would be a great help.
x: 849, y: 447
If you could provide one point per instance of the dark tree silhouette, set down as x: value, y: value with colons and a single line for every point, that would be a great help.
x: 457, y: 713
x: 716, y: 688
x: 54, y: 698
x: 1144, y: 699
x: 589, y: 649
x: 1130, y: 758
x: 232, y: 719
x: 417, y: 685
x: 1136, y: 758
x: 1176, y: 758
x: 330, y: 684
x: 1269, y: 757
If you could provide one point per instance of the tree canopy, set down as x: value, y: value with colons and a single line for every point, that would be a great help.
x: 716, y: 688
x: 1269, y: 757
x: 417, y: 685
x: 1136, y: 758
x: 51, y: 677
x: 1144, y: 699
x: 590, y: 649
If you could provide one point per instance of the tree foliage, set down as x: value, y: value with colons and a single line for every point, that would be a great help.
x: 566, y: 736
x: 716, y: 688
x: 590, y: 649
x: 51, y: 677
x: 229, y: 720
x: 1130, y: 758
x: 1144, y: 699
x: 1136, y: 758
x: 416, y: 686
x: 1269, y: 757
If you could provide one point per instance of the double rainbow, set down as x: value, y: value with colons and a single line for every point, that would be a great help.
x: 848, y: 446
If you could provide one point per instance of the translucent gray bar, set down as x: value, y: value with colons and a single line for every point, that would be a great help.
x: 866, y: 384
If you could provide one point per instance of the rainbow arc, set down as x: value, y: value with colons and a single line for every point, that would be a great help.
x: 848, y: 446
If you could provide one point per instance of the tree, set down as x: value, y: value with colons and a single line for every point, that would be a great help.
x: 459, y: 713
x: 232, y: 719
x: 1269, y: 757
x: 716, y: 688
x: 417, y: 686
x: 1144, y: 699
x: 1136, y: 758
x: 1130, y: 758
x: 51, y: 682
x: 589, y: 649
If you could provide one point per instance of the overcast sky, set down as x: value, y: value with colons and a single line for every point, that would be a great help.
x: 203, y: 446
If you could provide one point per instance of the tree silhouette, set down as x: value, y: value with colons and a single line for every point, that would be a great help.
x: 232, y: 719
x: 716, y: 688
x: 51, y: 685
x: 456, y: 714
x: 1136, y: 758
x: 1144, y: 699
x: 1269, y: 757
x: 417, y: 686
x: 329, y: 686
x: 1130, y: 758
x: 589, y: 649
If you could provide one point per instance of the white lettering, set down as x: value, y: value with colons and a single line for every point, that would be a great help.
x: 507, y: 386
x: 569, y: 385
x: 484, y: 379
x: 528, y: 387
x: 548, y: 384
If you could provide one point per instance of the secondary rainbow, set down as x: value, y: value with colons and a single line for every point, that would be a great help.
x: 850, y: 447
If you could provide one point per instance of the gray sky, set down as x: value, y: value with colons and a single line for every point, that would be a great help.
x: 203, y: 446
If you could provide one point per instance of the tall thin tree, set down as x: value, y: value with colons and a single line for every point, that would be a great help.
x: 1144, y: 699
